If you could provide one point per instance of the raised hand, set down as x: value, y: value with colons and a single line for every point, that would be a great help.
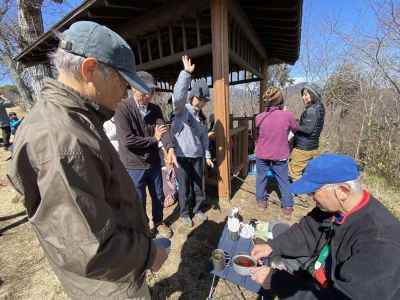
x: 187, y: 64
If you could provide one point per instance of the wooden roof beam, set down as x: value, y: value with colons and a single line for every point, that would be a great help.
x: 239, y: 17
x: 162, y: 17
x: 124, y: 5
x: 244, y: 64
x: 175, y: 58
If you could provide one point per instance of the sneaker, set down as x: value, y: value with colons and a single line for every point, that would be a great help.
x: 186, y: 221
x: 288, y: 211
x: 200, y: 217
x: 163, y: 231
x: 262, y: 204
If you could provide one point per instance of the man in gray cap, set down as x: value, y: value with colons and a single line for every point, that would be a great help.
x: 142, y: 133
x: 78, y: 195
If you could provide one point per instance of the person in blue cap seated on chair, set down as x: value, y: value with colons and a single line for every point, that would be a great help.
x: 347, y: 247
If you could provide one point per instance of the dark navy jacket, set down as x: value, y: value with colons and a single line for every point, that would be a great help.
x: 365, y: 252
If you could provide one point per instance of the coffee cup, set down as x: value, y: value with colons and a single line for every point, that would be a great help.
x: 218, y: 260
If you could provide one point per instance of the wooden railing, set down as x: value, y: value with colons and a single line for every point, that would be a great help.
x: 241, y: 142
x: 239, y: 149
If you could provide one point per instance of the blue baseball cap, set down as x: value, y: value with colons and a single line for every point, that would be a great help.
x: 89, y: 39
x: 325, y: 169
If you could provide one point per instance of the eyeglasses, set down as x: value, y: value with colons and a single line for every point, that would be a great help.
x: 326, y: 186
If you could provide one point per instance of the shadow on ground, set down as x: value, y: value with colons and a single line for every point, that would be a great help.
x: 192, y: 280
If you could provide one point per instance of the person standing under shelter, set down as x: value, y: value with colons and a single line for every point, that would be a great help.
x: 191, y: 141
x: 5, y: 121
x: 306, y: 139
x: 272, y: 148
x: 79, y: 197
x: 347, y: 247
x: 142, y: 133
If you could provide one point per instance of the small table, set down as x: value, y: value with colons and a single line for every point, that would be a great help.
x: 232, y: 248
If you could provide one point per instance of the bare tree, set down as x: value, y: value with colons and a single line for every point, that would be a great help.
x: 21, y: 23
x: 8, y: 48
x: 30, y: 22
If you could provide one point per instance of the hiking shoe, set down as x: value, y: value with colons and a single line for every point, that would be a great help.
x: 262, y: 204
x: 287, y: 211
x: 163, y: 231
x: 200, y: 217
x: 186, y: 221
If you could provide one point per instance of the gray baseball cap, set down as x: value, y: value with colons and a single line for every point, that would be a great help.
x: 89, y: 39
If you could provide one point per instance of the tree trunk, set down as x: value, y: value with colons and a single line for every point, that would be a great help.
x: 31, y: 27
x: 24, y: 92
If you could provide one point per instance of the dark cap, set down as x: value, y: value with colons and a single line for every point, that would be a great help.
x: 89, y: 39
x: 200, y: 89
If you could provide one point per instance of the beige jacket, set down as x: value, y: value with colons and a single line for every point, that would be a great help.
x: 80, y: 199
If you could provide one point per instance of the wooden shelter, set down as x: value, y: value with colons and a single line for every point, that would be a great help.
x: 231, y: 41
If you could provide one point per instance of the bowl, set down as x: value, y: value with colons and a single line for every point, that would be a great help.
x: 242, y: 263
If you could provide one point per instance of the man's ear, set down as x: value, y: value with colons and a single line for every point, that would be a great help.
x: 343, y: 191
x: 88, y: 68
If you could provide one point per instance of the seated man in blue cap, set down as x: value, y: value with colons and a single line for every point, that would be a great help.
x: 347, y: 247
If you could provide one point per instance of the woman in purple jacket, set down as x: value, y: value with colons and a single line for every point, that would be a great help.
x: 272, y: 148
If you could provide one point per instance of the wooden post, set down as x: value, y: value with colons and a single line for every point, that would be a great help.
x: 220, y: 45
x: 263, y: 83
x: 198, y: 31
x: 149, y: 49
x: 184, y: 36
x: 160, y: 49
x: 245, y: 147
x: 171, y: 39
x: 139, y: 48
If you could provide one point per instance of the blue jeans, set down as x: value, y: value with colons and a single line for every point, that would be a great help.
x: 152, y: 178
x: 280, y: 171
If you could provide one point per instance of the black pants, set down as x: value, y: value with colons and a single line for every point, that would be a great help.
x: 190, y: 184
x: 6, y: 133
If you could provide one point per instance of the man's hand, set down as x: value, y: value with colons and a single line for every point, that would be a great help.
x: 171, y: 160
x: 161, y: 257
x: 187, y: 64
x: 260, y: 251
x: 209, y: 163
x: 211, y: 135
x: 260, y: 275
x: 159, y: 131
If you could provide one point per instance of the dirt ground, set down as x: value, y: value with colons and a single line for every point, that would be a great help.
x: 25, y: 273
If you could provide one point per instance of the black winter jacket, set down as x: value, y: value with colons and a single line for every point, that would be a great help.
x: 365, y: 252
x: 138, y: 148
x: 311, y: 125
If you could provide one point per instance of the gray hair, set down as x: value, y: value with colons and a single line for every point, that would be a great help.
x: 355, y: 185
x: 71, y: 63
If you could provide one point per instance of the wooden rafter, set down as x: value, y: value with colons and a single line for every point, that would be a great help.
x: 242, y: 20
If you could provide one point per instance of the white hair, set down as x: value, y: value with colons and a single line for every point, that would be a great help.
x: 70, y: 64
x: 355, y: 185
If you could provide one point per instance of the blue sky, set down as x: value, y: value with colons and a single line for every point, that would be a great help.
x: 318, y: 15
